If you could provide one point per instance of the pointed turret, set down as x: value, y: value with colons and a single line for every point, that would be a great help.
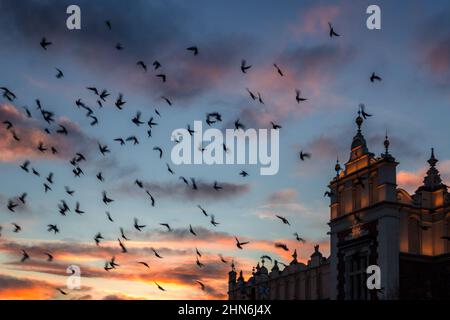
x: 432, y: 180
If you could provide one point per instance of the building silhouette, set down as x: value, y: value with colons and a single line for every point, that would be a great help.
x: 372, y: 222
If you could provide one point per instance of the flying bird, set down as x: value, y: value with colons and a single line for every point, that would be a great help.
x: 159, y: 287
x: 194, y: 49
x: 304, y: 155
x: 240, y: 244
x: 25, y: 256
x: 144, y: 264
x: 298, y: 238
x: 278, y: 69
x: 243, y: 173
x: 374, y: 77
x: 192, y: 230
x: 159, y: 150
x: 298, y: 98
x: 44, y: 43
x: 156, y: 254
x: 60, y: 74
x: 98, y: 237
x: 244, y: 66
x: 156, y: 64
x: 281, y: 246
x: 137, y: 226
x: 362, y: 108
x: 105, y: 199
x: 283, y: 219
x: 332, y: 33
x: 108, y: 215
x: 143, y: 65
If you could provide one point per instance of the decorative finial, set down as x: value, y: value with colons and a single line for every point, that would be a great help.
x: 263, y: 261
x: 432, y: 161
x: 359, y: 120
x: 294, y: 255
x: 337, y: 167
x: 232, y: 265
x: 386, y: 144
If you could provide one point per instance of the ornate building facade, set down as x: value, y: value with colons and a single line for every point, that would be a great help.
x: 372, y: 222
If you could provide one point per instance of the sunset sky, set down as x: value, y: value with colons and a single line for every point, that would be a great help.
x: 411, y: 53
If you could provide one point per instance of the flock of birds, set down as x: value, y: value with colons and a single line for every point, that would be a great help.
x: 79, y: 159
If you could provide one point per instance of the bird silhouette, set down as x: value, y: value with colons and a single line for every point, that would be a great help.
x: 298, y: 238
x: 159, y: 287
x: 213, y: 221
x: 194, y: 49
x: 49, y: 257
x: 77, y: 208
x: 278, y: 69
x: 362, y: 108
x: 144, y: 264
x: 332, y: 33
x: 52, y: 228
x: 275, y: 126
x: 60, y: 74
x: 162, y: 76
x: 122, y: 246
x: 167, y: 100
x: 103, y: 149
x: 191, y: 230
x: 203, y: 210
x: 122, y: 234
x: 108, y: 24
x: 152, y: 199
x: 374, y: 77
x: 240, y: 244
x: 283, y: 219
x: 298, y: 98
x: 243, y: 174
x: 156, y: 253
x: 166, y: 225
x: 159, y: 150
x: 105, y: 199
x: 22, y: 197
x: 98, y: 237
x: 216, y: 186
x: 156, y: 64
x: 8, y: 94
x: 68, y: 191
x: 24, y: 166
x: 143, y: 65
x: 202, y: 286
x: 244, y: 66
x: 304, y: 155
x: 137, y: 226
x: 281, y: 246
x: 108, y: 215
x: 199, y: 263
x: 25, y: 256
x: 238, y: 125
x: 120, y: 102
x: 11, y: 205
x: 45, y: 43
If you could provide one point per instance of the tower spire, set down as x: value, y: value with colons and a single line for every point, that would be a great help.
x: 432, y: 180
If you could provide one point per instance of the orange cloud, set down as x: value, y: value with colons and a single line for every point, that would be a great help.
x: 30, y: 132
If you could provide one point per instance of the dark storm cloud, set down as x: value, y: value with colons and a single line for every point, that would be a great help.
x: 147, y: 30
